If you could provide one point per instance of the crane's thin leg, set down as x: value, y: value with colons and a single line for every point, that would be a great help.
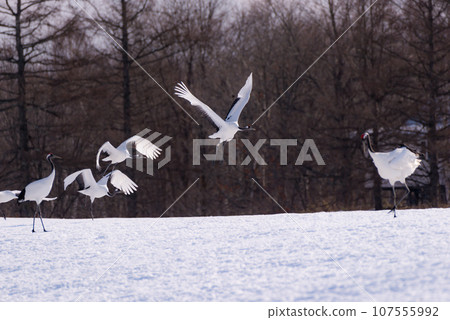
x: 104, y: 172
x: 404, y: 196
x: 395, y: 202
x: 92, y: 215
x: 4, y: 215
x: 34, y: 218
x: 40, y: 217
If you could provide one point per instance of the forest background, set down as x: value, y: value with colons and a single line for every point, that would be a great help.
x: 67, y: 85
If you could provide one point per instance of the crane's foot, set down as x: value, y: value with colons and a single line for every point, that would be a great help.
x: 393, y: 210
x: 45, y: 230
x: 33, y: 230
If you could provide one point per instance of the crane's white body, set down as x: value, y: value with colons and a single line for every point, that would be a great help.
x: 91, y: 188
x: 226, y: 132
x: 38, y: 190
x: 117, y: 155
x: 395, y: 165
x: 96, y: 191
x: 8, y: 195
x: 226, y: 128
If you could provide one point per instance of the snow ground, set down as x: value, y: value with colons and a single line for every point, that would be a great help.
x: 295, y: 257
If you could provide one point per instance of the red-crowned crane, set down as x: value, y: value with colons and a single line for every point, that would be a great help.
x: 38, y: 190
x: 226, y: 128
x: 395, y: 165
x: 93, y: 189
x: 117, y: 155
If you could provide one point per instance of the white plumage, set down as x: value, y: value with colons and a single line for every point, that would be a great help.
x: 226, y: 128
x: 93, y: 189
x: 117, y: 155
x: 8, y: 195
x: 396, y: 165
x: 393, y: 166
x: 38, y: 190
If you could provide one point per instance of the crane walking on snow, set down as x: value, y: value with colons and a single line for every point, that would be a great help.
x: 93, y: 189
x: 226, y: 128
x: 38, y: 190
x: 395, y: 165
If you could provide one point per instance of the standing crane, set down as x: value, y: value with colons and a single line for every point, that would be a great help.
x: 38, y: 190
x: 395, y: 165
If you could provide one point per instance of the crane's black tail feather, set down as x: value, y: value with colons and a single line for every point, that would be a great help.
x: 21, y: 197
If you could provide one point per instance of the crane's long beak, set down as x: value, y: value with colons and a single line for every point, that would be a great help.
x: 56, y: 157
x: 247, y: 128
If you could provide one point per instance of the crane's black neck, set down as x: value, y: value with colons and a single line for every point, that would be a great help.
x: 49, y: 159
x: 116, y: 191
x: 369, y: 143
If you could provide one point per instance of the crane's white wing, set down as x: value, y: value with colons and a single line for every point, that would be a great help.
x: 240, y: 102
x: 108, y: 148
x: 403, y: 158
x: 122, y: 182
x: 84, y: 178
x: 183, y: 92
x: 144, y: 147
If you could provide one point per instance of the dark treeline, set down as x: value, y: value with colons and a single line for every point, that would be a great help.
x: 66, y: 87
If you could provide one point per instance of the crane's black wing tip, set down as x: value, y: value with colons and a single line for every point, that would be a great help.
x: 80, y: 182
x: 21, y: 197
x: 231, y: 108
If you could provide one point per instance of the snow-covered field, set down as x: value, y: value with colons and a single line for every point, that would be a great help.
x: 335, y: 256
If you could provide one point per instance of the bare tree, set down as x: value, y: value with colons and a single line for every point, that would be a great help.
x: 31, y: 26
x: 378, y: 79
x: 426, y: 31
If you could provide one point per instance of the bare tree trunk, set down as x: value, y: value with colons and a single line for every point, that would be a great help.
x: 126, y: 63
x: 431, y: 132
x: 21, y: 105
x: 378, y: 201
x: 125, y: 74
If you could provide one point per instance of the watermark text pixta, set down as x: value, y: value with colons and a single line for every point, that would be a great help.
x: 308, y: 151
